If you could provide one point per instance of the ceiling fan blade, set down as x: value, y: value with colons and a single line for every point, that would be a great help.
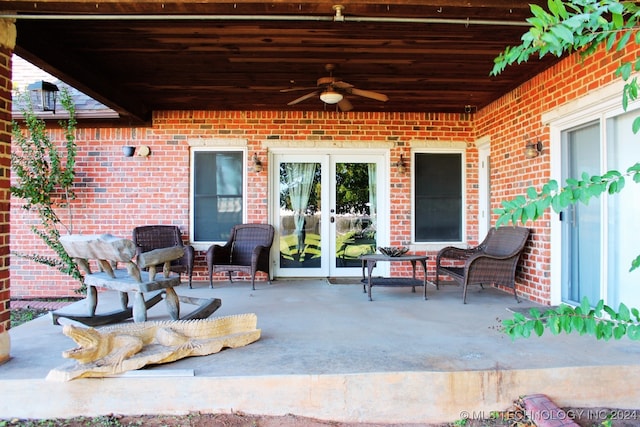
x: 369, y: 94
x: 345, y: 105
x: 342, y: 85
x: 304, y: 97
x: 294, y: 89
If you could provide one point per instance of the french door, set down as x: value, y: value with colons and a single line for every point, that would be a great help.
x: 328, y: 209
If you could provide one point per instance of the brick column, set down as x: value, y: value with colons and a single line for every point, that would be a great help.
x: 7, y: 44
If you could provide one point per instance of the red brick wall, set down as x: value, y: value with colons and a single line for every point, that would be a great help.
x: 116, y: 193
x: 5, y: 165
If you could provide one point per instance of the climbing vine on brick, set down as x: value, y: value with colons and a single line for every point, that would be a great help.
x: 44, y: 177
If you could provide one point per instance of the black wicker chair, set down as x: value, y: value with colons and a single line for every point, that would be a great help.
x: 149, y: 237
x: 493, y: 261
x: 247, y: 250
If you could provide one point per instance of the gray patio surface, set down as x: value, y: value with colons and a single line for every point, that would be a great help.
x: 326, y: 351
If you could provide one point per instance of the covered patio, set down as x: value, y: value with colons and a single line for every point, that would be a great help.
x: 326, y: 351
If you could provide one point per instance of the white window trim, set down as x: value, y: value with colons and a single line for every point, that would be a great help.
x: 208, y: 147
x: 438, y: 147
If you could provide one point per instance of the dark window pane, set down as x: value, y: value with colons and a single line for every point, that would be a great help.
x: 438, y: 197
x: 217, y: 194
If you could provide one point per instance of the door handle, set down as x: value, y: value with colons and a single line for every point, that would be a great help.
x: 333, y: 219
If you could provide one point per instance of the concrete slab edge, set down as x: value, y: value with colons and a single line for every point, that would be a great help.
x: 427, y: 397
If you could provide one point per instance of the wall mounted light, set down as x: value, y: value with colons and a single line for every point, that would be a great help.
x: 401, y: 165
x: 257, y: 164
x: 130, y: 150
x: 43, y: 95
x: 533, y: 149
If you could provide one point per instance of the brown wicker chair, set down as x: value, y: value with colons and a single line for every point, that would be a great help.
x: 149, y: 237
x: 247, y: 250
x: 493, y: 261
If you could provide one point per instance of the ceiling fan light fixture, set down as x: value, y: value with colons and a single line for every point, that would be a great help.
x: 330, y: 96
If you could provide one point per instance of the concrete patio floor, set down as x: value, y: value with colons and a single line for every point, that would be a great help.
x: 326, y: 351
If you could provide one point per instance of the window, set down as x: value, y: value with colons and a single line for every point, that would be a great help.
x: 217, y: 193
x: 438, y: 194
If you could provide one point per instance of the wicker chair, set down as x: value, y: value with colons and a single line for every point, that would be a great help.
x: 493, y: 261
x: 247, y: 250
x: 151, y: 237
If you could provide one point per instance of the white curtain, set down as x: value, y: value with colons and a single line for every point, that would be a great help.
x: 373, y: 195
x: 299, y: 180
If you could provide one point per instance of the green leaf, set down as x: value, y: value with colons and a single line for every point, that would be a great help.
x: 610, y: 311
x: 530, y: 212
x: 590, y: 325
x: 585, y: 305
x: 534, y: 313
x: 554, y: 324
x: 617, y: 20
x: 633, y: 332
x: 563, y: 33
x: 538, y: 327
x: 623, y: 313
x: 636, y: 125
x: 516, y: 216
x: 623, y: 42
x: 578, y: 324
x: 619, y: 331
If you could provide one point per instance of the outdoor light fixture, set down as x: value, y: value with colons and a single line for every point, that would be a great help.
x: 43, y: 95
x: 400, y: 164
x: 128, y: 150
x: 533, y: 150
x: 257, y: 164
x: 330, y: 96
x: 141, y: 151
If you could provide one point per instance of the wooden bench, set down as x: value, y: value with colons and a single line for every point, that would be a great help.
x: 109, y: 251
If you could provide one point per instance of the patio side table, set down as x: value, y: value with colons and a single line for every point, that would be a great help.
x: 371, y: 260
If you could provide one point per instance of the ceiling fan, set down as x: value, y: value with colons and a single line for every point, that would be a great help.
x: 332, y: 90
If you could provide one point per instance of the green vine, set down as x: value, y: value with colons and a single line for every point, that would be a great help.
x: 602, y: 321
x: 533, y: 205
x: 44, y: 180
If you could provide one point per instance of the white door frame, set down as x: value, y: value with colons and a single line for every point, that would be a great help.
x: 484, y: 186
x: 326, y: 158
x: 593, y: 106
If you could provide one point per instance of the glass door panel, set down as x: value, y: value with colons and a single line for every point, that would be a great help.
x: 354, y: 214
x: 622, y: 215
x: 581, y: 224
x: 300, y: 197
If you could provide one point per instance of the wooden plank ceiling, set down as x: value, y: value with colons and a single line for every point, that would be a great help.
x: 140, y: 56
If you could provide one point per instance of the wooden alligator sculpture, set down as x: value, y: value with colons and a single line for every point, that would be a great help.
x: 119, y: 348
